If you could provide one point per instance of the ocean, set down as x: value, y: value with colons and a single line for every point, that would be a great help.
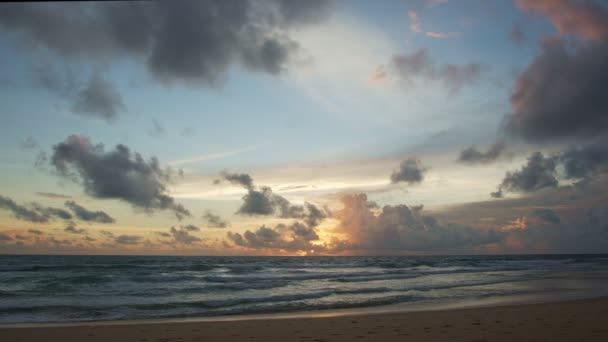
x: 37, y: 289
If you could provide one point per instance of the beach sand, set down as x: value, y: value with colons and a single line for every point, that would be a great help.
x: 581, y: 320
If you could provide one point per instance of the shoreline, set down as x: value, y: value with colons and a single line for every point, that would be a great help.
x: 583, y: 319
x: 398, y: 308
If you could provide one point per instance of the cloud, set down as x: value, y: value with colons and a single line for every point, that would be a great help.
x: 35, y: 232
x: 414, y: 24
x: 263, y: 201
x: 516, y: 34
x: 419, y: 64
x: 89, y: 239
x: 98, y: 99
x: 106, y: 233
x: 538, y: 173
x: 29, y: 143
x: 214, y: 221
x: 497, y: 194
x: 34, y: 212
x: 191, y: 228
x: 128, y: 239
x: 116, y: 174
x: 455, y: 77
x: 472, y: 155
x: 50, y: 211
x: 53, y: 195
x: 211, y: 156
x: 584, y: 161
x: 396, y: 229
x: 72, y: 229
x: 4, y: 237
x: 547, y: 215
x: 549, y: 105
x: 182, y: 235
x: 242, y: 179
x: 157, y: 130
x: 410, y: 171
x: 87, y: 215
x: 581, y: 225
x: 296, y: 237
x: 258, y: 202
x: 580, y: 162
x: 191, y: 41
x: 443, y: 35
x: 587, y: 19
x: 416, y: 27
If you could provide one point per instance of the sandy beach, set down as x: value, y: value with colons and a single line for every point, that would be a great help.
x: 580, y: 320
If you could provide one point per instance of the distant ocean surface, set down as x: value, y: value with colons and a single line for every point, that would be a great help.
x: 96, y: 288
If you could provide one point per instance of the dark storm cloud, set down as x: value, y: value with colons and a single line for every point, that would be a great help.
x: 214, y: 221
x: 538, y: 173
x: 178, y: 40
x: 584, y: 161
x: 577, y: 163
x: 547, y: 215
x: 34, y: 212
x: 128, y: 239
x: 419, y: 64
x: 4, y: 237
x: 472, y: 155
x: 98, y: 99
x: 72, y: 229
x: 562, y: 94
x: 88, y: 215
x: 53, y: 195
x: 399, y: 228
x: 116, y: 174
x: 410, y: 171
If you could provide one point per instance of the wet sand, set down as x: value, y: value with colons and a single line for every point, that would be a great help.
x: 581, y: 320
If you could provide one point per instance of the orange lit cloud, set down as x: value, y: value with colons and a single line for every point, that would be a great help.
x: 379, y: 76
x: 414, y: 24
x: 586, y: 19
x: 517, y: 224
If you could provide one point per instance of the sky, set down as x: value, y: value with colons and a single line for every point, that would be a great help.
x: 319, y: 127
